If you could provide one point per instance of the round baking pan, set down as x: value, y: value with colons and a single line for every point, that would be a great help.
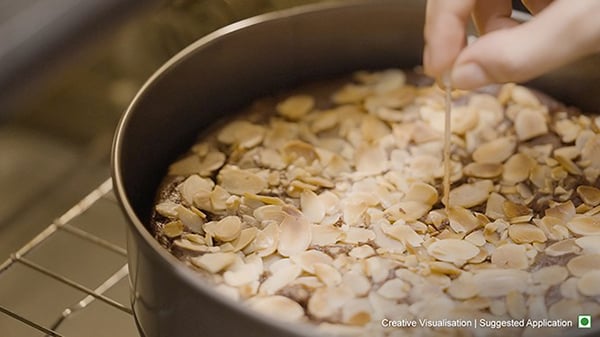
x: 221, y: 73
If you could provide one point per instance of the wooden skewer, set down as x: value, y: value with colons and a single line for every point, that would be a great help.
x: 447, y: 135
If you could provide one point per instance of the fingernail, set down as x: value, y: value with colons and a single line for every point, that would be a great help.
x: 469, y: 76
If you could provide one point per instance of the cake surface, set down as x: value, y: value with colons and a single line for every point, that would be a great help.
x: 323, y: 205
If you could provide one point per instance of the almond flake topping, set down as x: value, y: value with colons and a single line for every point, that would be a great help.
x: 325, y: 207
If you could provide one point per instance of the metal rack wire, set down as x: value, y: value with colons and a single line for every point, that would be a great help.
x: 65, y: 223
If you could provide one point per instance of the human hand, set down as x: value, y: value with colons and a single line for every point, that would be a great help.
x: 560, y: 32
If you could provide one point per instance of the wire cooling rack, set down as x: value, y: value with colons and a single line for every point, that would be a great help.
x: 67, y: 269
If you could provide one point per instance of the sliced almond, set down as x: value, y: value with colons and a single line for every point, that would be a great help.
x: 469, y: 195
x: 408, y: 210
x: 357, y: 312
x: 403, y: 233
x: 211, y: 162
x: 515, y: 305
x: 327, y: 274
x: 226, y: 229
x: 351, y: 93
x: 237, y: 181
x: 567, y: 129
x: 384, y: 241
x: 582, y: 264
x: 306, y: 260
x: 563, y: 247
x: 246, y: 236
x: 568, y: 289
x: 213, y: 262
x: 279, y: 279
x: 280, y: 307
x: 262, y: 199
x: 370, y: 160
x: 295, y: 107
x: 373, y: 129
x: 494, y: 207
x: 500, y: 282
x: 530, y: 123
x: 495, y: 151
x: 294, y: 233
x: 517, y: 168
x: 190, y: 219
x: 194, y: 246
x: 463, y: 119
x: 269, y: 213
x: 498, y: 307
x: 167, y: 209
x: 377, y: 268
x: 185, y: 166
x: 422, y: 192
x: 565, y: 156
x: 483, y: 170
x: 242, y: 133
x: 192, y: 185
x: 358, y: 282
x: 589, y: 244
x: 584, y: 225
x: 516, y: 211
x: 550, y: 275
x: 510, y: 256
x: 476, y: 238
x: 589, y: 283
x: 311, y: 206
x: 564, y: 308
x: 362, y: 252
x: 356, y: 235
x: 524, y: 97
x: 564, y: 211
x: 488, y: 103
x: 218, y: 198
x: 589, y: 194
x: 590, y: 156
x: 267, y: 240
x: 453, y: 250
x: 173, y: 229
x: 389, y: 80
x: 462, y: 220
x: 325, y: 302
x: 296, y: 149
x: 394, y: 289
x: 526, y: 233
x: 323, y: 235
x: 241, y: 274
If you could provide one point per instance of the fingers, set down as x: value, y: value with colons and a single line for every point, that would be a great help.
x: 563, y: 32
x: 492, y: 15
x: 536, y: 6
x: 445, y: 26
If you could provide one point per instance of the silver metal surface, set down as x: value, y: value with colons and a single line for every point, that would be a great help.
x: 50, y: 332
x: 25, y: 259
x: 107, y: 284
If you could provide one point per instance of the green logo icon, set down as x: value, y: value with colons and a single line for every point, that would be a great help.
x: 584, y: 321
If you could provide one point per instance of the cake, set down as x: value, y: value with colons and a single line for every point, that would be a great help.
x: 322, y: 205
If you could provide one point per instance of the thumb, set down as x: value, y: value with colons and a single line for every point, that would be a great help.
x: 563, y: 32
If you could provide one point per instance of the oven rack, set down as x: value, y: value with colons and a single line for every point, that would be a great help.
x: 68, y: 223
